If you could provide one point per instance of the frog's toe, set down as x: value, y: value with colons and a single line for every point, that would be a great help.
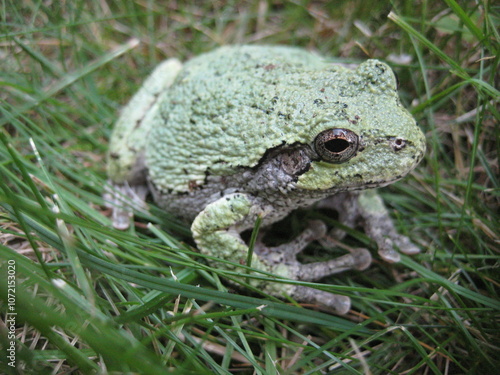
x: 341, y: 304
x: 405, y: 245
x: 387, y: 252
x: 315, y: 230
x: 123, y: 199
x: 357, y: 259
x: 318, y: 229
x: 387, y: 249
x: 362, y: 258
x: 121, y: 218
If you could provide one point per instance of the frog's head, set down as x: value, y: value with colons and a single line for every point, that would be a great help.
x: 373, y: 141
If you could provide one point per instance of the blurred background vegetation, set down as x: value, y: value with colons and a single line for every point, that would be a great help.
x: 91, y: 299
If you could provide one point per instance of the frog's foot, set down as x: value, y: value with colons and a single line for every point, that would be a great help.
x: 358, y: 259
x: 123, y: 199
x: 367, y: 207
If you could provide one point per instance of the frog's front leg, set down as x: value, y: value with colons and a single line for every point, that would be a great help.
x: 378, y: 225
x: 369, y: 207
x: 217, y: 229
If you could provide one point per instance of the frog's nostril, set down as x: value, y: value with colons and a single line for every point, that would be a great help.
x: 397, y: 144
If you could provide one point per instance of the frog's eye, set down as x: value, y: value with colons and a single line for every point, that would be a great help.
x: 336, y: 145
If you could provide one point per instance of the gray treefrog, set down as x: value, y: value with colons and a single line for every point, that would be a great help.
x: 258, y: 131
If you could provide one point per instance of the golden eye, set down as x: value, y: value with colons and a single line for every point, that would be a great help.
x: 336, y: 145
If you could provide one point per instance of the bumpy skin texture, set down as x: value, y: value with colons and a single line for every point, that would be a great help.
x: 253, y: 131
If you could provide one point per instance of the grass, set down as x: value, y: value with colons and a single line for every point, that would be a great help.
x: 90, y: 299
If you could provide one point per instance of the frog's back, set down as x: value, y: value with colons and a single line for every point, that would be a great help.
x: 228, y: 102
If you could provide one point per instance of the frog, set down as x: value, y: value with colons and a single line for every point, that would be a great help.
x: 250, y: 133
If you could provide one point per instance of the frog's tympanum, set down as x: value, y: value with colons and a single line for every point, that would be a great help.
x: 258, y: 131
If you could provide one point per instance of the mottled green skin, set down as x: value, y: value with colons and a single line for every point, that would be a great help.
x: 228, y: 107
x: 131, y: 131
x: 230, y: 137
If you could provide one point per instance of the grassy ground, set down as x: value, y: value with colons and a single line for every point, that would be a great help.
x: 92, y: 299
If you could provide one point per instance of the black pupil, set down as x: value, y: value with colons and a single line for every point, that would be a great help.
x: 336, y: 145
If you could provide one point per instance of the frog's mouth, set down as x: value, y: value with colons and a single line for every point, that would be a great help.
x: 376, y: 184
